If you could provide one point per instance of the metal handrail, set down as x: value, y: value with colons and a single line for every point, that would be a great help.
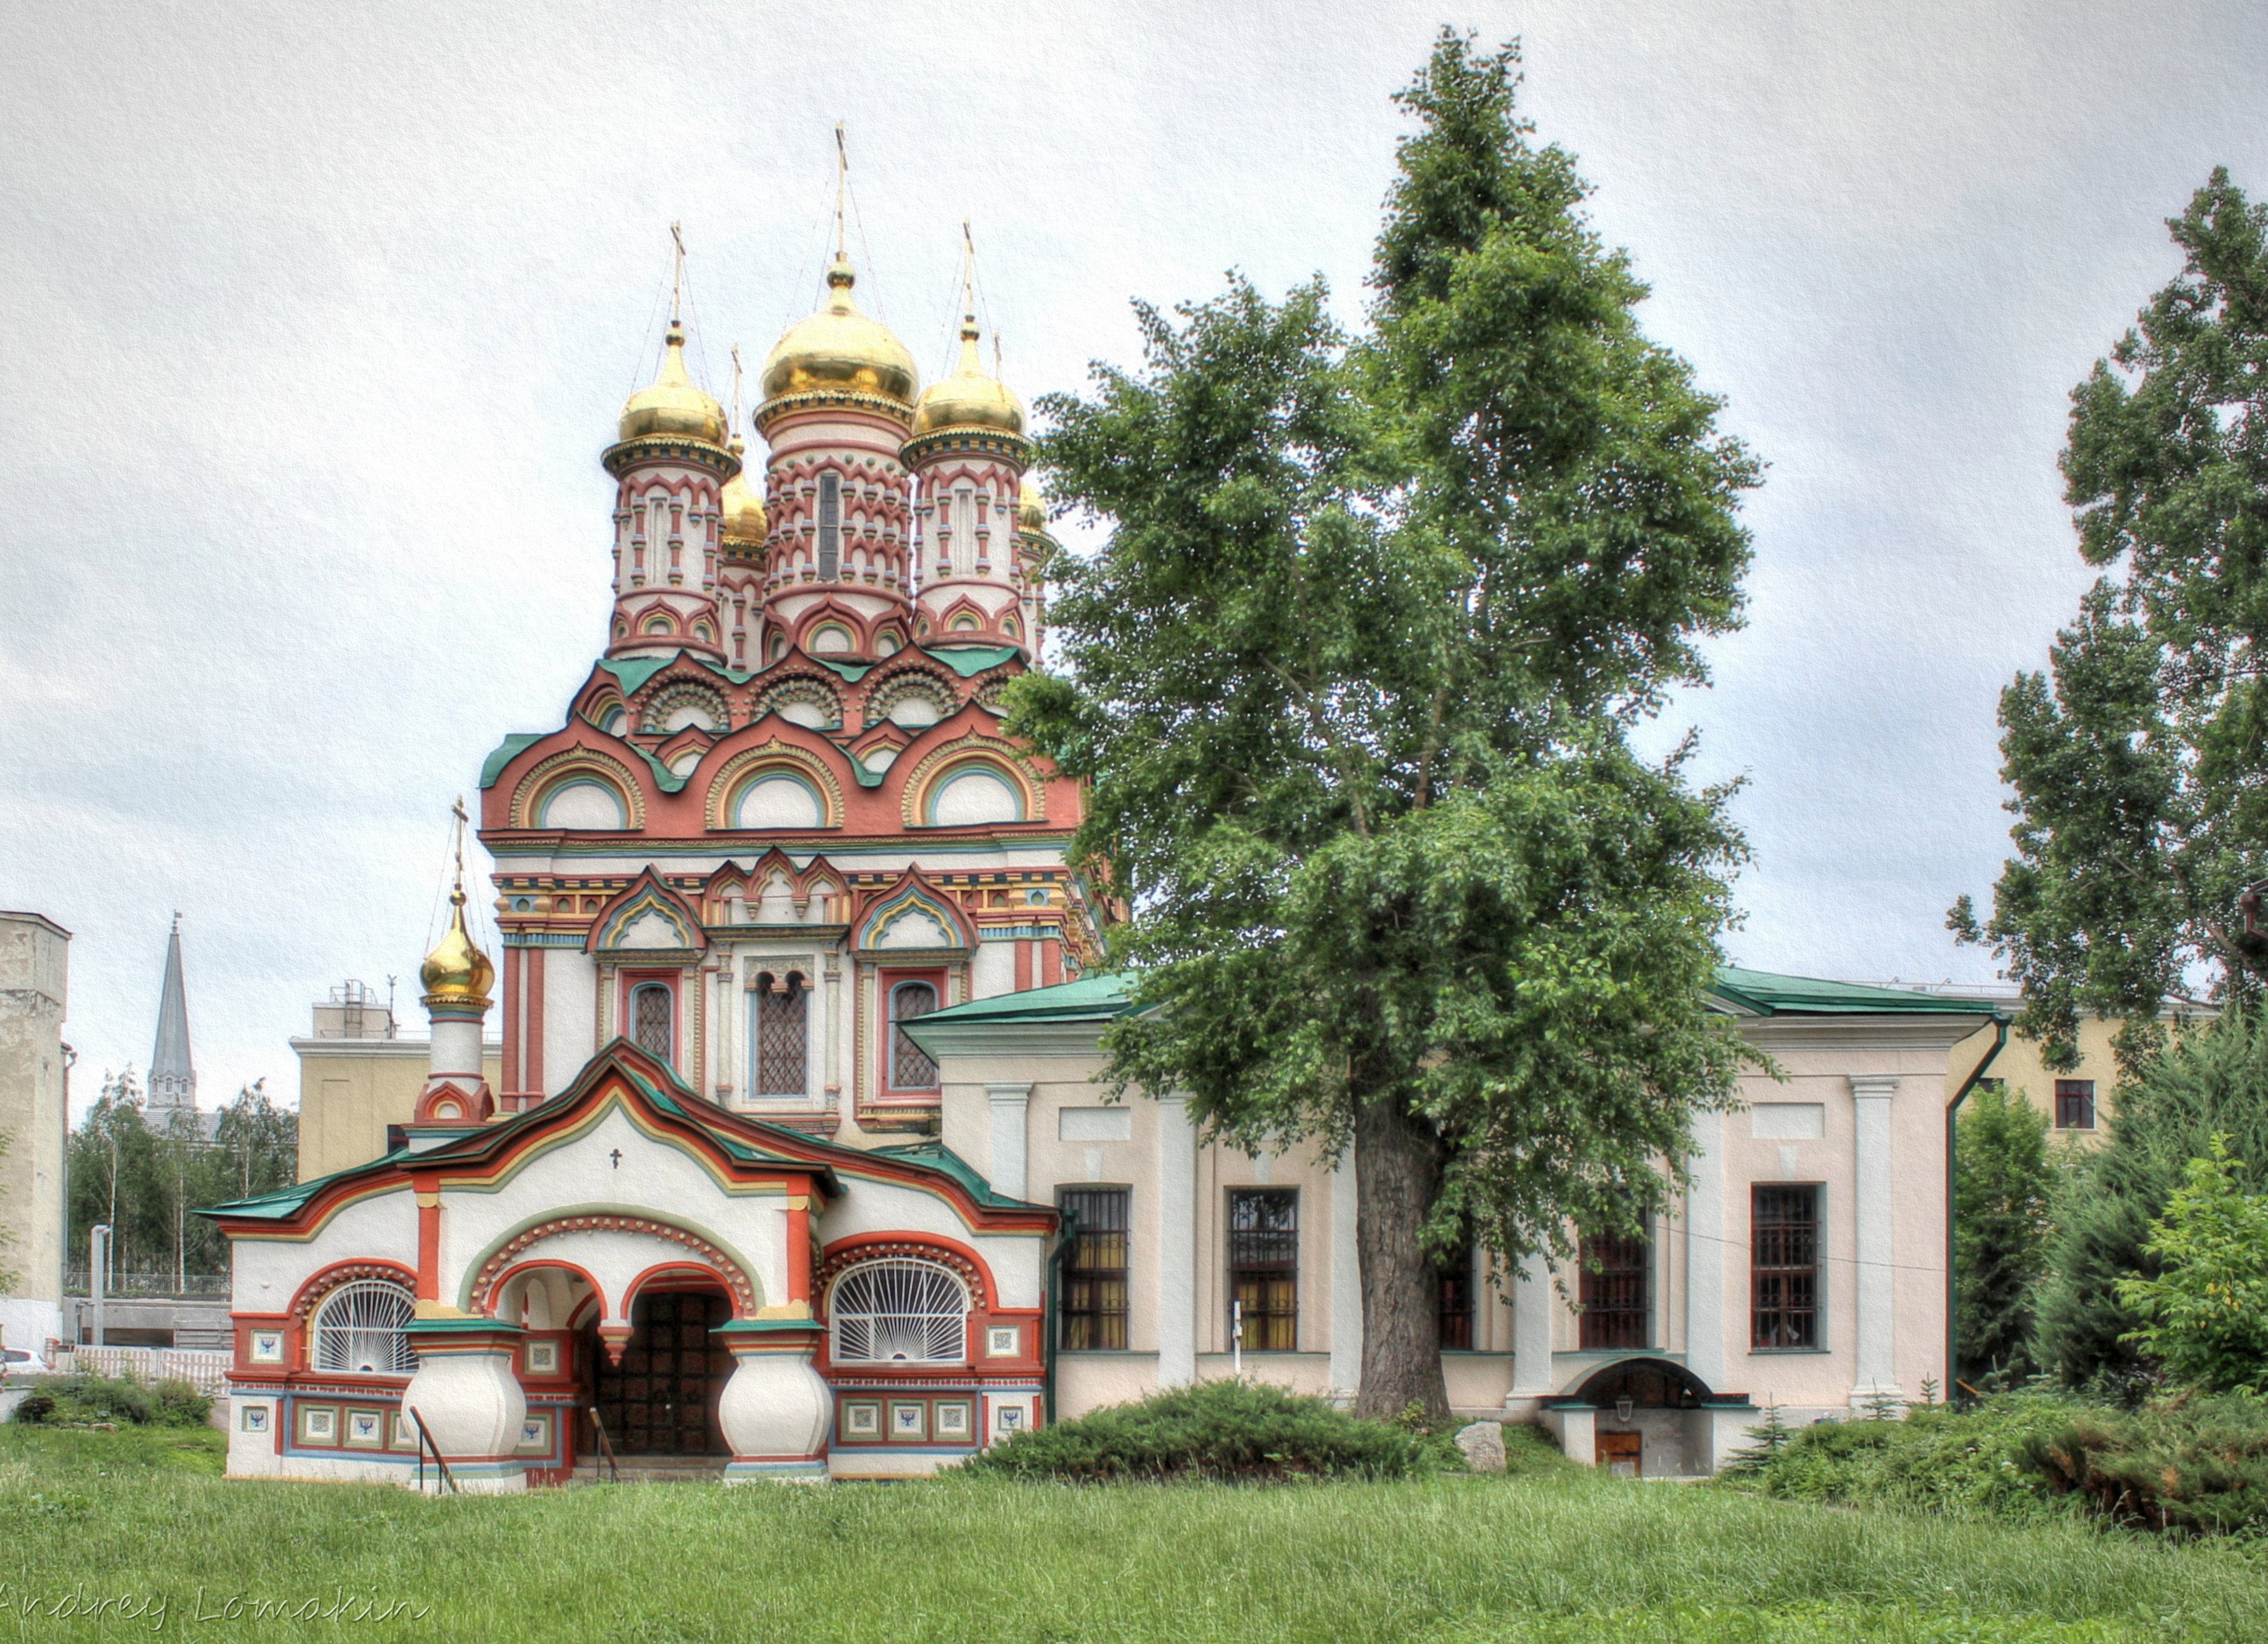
x: 425, y: 1444
x: 606, y: 1448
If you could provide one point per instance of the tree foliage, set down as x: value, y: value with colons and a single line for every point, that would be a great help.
x: 2211, y: 1081
x: 2204, y: 1315
x: 147, y: 1181
x: 2141, y: 787
x: 1351, y: 679
x: 2000, y: 1232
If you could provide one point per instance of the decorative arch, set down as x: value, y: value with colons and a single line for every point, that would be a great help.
x: 571, y: 765
x: 1007, y: 761
x: 623, y: 925
x: 494, y: 1293
x: 489, y: 1278
x: 1657, y: 1383
x: 886, y: 696
x: 607, y: 711
x: 680, y: 698
x: 453, y: 1104
x: 912, y: 898
x: 324, y: 1280
x: 751, y: 765
x: 799, y: 690
x: 852, y: 1252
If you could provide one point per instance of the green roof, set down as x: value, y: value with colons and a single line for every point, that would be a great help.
x: 1773, y: 995
x: 938, y: 1156
x: 1090, y: 999
x: 969, y: 660
x: 506, y: 751
x: 632, y: 672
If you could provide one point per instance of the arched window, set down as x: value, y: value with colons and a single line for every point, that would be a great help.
x: 652, y: 1020
x: 900, y: 1311
x: 776, y: 800
x: 972, y: 796
x: 910, y: 1068
x: 361, y: 1327
x: 831, y: 526
x: 584, y: 804
x: 781, y: 1035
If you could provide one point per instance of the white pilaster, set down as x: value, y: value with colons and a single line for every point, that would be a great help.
x: 1346, y: 1281
x: 1876, y: 1307
x: 1531, y: 1333
x: 1707, y: 1328
x: 1177, y: 1244
x: 1010, y: 1106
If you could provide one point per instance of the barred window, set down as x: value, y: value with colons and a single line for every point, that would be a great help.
x: 910, y: 1068
x: 1453, y: 1288
x: 1613, y: 1292
x: 900, y: 1310
x: 361, y: 1327
x: 1263, y: 1267
x: 652, y: 1020
x: 831, y: 526
x: 2074, y: 1104
x: 1783, y: 1267
x: 1093, y: 1309
x: 783, y: 1034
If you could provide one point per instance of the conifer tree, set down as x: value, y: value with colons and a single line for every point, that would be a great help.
x: 2000, y: 1233
x: 1353, y: 679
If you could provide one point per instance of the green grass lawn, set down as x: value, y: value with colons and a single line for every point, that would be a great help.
x: 1560, y: 1556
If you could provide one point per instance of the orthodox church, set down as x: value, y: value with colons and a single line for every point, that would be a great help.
x: 797, y: 1167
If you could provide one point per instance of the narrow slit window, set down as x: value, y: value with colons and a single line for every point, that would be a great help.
x: 831, y: 527
x: 1095, y: 1271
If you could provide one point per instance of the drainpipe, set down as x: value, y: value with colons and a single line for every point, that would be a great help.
x: 1952, y: 1184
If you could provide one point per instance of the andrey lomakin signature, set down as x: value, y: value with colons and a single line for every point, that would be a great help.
x: 159, y: 1610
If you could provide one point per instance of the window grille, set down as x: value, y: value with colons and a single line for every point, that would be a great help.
x: 361, y: 1327
x: 1783, y: 1267
x: 2074, y: 1104
x: 782, y: 1035
x: 1263, y: 1266
x: 900, y: 1310
x: 1613, y: 1292
x: 1094, y: 1270
x: 650, y: 1021
x: 910, y: 1068
x: 831, y: 526
x: 1453, y: 1291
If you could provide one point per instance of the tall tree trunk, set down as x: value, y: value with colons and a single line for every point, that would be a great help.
x: 1397, y: 1171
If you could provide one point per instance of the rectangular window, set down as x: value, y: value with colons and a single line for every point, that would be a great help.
x: 1783, y: 1267
x: 1094, y: 1270
x: 2074, y: 1104
x: 1454, y: 1298
x: 781, y: 1035
x: 1614, y: 1292
x: 831, y: 526
x: 1263, y: 1267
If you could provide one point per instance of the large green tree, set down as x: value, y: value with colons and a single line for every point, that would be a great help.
x: 2000, y: 1231
x: 1352, y: 677
x: 2139, y: 759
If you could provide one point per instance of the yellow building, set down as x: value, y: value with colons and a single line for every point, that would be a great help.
x: 359, y: 1079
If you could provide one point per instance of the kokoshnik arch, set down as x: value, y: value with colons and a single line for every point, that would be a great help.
x: 797, y: 1167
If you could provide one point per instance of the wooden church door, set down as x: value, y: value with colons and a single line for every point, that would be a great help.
x: 662, y: 1401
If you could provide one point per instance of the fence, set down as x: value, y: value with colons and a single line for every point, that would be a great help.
x: 207, y: 1371
x: 74, y: 1283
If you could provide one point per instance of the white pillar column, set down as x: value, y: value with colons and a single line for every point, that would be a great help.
x: 1707, y: 1327
x: 1346, y: 1281
x: 1010, y: 1106
x: 1177, y: 1244
x: 1531, y: 1336
x: 1876, y: 1302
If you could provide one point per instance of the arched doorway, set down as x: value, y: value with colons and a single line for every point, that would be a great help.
x: 662, y: 1399
x: 1644, y: 1422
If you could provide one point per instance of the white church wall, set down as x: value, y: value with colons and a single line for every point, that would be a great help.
x: 266, y: 1273
x: 571, y: 992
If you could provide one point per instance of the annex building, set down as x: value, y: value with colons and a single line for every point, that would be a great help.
x: 791, y: 1164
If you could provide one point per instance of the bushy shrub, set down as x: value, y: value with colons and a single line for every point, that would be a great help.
x: 2187, y: 1464
x: 1220, y: 1430
x: 87, y: 1400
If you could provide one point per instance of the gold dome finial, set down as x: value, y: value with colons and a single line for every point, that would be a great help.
x: 968, y: 398
x: 1032, y: 512
x: 839, y: 353
x: 671, y: 405
x: 457, y: 971
x: 745, y: 525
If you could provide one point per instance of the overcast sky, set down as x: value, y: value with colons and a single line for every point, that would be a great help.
x: 315, y: 318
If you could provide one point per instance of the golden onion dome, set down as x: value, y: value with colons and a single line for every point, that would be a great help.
x: 671, y: 405
x: 839, y: 350
x: 457, y: 968
x: 968, y: 398
x: 742, y: 506
x: 1032, y: 512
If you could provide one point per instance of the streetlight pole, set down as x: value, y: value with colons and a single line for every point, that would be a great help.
x: 98, y: 1263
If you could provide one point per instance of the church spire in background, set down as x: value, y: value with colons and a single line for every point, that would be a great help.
x: 173, y: 1079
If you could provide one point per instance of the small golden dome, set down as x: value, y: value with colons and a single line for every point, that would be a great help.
x: 456, y: 970
x: 743, y: 507
x: 968, y: 398
x: 839, y: 350
x: 1031, y: 512
x: 672, y: 405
